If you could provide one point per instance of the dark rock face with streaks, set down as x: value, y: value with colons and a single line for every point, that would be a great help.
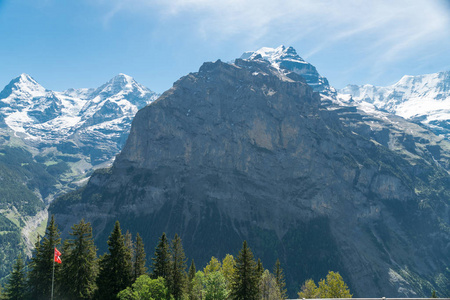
x: 242, y: 151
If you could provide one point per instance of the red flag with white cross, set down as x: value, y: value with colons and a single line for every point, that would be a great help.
x: 58, y: 256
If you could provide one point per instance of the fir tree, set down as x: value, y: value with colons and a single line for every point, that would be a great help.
x: 279, y: 277
x: 115, y: 268
x: 139, y: 262
x: 177, y: 279
x: 161, y: 261
x: 130, y: 246
x: 259, y: 268
x: 41, y: 265
x: 15, y: 288
x: 79, y: 270
x: 190, y: 283
x: 246, y: 278
x: 192, y: 271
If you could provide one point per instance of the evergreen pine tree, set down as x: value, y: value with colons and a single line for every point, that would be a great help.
x: 279, y: 277
x: 161, y: 261
x: 190, y: 283
x: 115, y: 268
x: 15, y: 288
x: 192, y: 271
x: 41, y: 264
x: 79, y: 270
x: 178, y: 266
x: 130, y: 246
x: 259, y: 268
x: 139, y: 262
x: 246, y: 278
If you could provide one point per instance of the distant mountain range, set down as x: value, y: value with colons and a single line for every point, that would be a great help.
x: 94, y: 122
x: 423, y: 98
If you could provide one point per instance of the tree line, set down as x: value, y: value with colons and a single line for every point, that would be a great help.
x: 121, y: 273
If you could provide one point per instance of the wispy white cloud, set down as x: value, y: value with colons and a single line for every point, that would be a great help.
x: 334, y: 20
x: 117, y: 6
x: 385, y: 30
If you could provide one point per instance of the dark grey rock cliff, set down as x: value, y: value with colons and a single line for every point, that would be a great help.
x: 241, y: 151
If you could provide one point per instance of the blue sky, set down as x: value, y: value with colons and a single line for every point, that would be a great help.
x: 84, y: 43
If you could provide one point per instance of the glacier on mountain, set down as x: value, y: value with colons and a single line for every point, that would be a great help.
x: 45, y: 116
x: 422, y: 98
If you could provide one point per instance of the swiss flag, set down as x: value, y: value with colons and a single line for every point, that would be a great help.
x: 57, y: 256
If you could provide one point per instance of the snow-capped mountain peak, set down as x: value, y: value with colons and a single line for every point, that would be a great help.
x: 122, y: 80
x: 21, y: 90
x: 27, y: 83
x: 283, y: 58
x: 122, y: 84
x: 274, y: 55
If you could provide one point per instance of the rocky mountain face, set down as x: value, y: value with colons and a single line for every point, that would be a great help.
x: 248, y: 151
x: 424, y: 98
x: 50, y: 142
x: 372, y: 118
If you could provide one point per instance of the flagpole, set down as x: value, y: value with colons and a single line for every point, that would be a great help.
x: 53, y: 274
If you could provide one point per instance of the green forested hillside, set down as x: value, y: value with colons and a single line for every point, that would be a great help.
x: 125, y: 272
x: 23, y: 184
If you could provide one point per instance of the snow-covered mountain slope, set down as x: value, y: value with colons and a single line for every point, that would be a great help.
x: 90, y: 124
x: 283, y: 58
x: 44, y: 116
x: 424, y: 98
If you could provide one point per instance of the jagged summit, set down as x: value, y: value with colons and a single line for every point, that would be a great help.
x: 25, y: 81
x: 274, y: 55
x: 286, y: 58
x: 123, y: 84
x: 21, y: 88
